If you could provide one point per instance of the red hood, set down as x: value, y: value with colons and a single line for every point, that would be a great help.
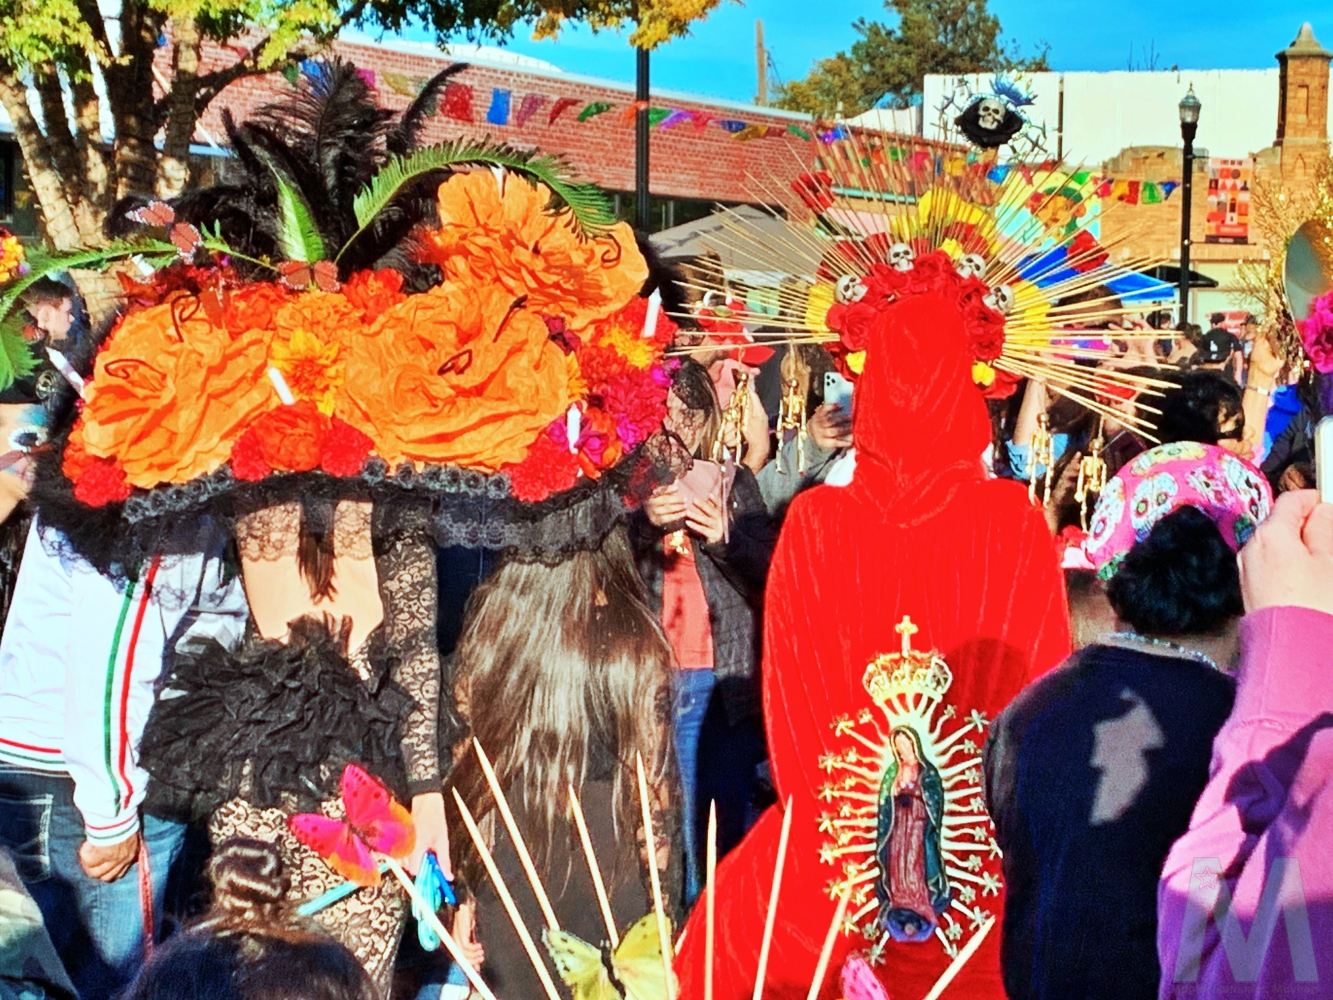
x: 920, y: 422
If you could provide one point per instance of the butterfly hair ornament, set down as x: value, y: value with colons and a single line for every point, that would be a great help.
x: 376, y: 836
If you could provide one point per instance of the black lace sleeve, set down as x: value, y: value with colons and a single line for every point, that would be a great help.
x: 408, y: 587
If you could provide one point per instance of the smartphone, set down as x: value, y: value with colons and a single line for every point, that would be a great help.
x: 1323, y: 459
x: 838, y: 391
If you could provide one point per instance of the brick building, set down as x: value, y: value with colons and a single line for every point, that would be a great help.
x: 702, y: 151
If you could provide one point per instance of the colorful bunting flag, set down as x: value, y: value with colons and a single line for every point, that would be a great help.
x: 1168, y: 187
x: 700, y: 119
x: 594, y: 109
x: 408, y: 86
x: 998, y: 173
x: 532, y: 103
x: 732, y: 125
x: 796, y: 130
x: 1151, y: 195
x: 673, y: 119
x: 833, y: 134
x: 750, y: 133
x: 499, y: 111
x: 656, y: 116
x: 367, y: 75
x: 631, y: 112
x: 457, y: 102
x: 291, y: 73
x: 560, y: 107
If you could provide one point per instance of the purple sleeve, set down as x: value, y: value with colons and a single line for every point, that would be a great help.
x: 1260, y: 823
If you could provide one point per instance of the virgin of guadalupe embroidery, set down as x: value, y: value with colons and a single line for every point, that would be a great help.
x: 910, y: 829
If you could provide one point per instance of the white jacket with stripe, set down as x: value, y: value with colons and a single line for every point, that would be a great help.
x: 81, y: 655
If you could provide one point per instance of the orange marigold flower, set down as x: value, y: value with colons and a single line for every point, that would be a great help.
x: 578, y: 388
x: 292, y: 437
x: 311, y: 367
x: 499, y: 231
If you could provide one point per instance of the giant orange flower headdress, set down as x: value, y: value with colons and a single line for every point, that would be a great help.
x: 498, y: 358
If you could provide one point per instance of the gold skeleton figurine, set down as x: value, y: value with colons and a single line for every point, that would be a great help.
x: 734, y: 417
x: 1091, y: 477
x: 1041, y: 454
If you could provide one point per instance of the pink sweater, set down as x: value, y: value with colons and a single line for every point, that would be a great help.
x: 1245, y: 905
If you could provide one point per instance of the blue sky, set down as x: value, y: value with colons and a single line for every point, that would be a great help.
x: 719, y: 58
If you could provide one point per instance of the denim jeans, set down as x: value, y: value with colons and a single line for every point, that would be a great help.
x: 96, y: 927
x: 693, y: 689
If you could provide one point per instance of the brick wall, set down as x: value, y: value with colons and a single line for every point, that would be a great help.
x: 685, y: 161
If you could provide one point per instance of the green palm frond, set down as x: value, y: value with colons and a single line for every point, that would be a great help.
x: 298, y: 238
x: 16, y: 357
x: 587, y: 203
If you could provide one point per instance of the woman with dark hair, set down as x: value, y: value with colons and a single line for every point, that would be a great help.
x: 1091, y: 773
x: 249, y: 946
x: 703, y: 545
x: 564, y: 678
x: 1204, y: 406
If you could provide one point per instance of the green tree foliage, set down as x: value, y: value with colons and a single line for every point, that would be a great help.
x: 887, y: 65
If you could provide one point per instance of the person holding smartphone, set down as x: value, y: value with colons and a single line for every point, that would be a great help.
x: 703, y: 544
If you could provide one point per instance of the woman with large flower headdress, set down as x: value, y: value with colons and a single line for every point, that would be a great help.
x: 364, y: 353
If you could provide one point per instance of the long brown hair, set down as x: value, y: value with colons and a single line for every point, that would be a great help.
x: 559, y: 666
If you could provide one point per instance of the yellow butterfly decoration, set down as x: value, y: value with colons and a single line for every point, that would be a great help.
x: 633, y: 971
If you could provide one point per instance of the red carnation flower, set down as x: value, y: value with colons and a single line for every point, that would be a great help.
x: 548, y: 468
x: 345, y: 449
x: 599, y: 365
x: 373, y: 292
x: 247, y: 460
x: 1004, y: 386
x: 292, y: 437
x: 102, y: 482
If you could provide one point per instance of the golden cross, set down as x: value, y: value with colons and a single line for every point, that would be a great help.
x: 906, y: 629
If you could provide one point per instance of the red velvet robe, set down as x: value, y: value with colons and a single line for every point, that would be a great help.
x: 919, y: 532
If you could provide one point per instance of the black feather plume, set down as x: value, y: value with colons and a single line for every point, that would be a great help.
x: 402, y: 137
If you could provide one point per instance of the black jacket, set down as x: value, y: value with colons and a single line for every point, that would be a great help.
x: 733, y: 574
x: 1092, y: 773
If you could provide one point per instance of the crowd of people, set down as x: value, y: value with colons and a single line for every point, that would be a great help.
x: 630, y: 669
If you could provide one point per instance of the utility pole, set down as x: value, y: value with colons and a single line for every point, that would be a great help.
x: 642, y: 207
x: 761, y: 59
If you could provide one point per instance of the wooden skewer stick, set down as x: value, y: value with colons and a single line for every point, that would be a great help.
x: 826, y: 952
x: 507, y: 898
x: 455, y: 952
x: 957, y: 964
x: 663, y: 934
x: 712, y: 901
x: 517, y: 837
x: 579, y: 821
x: 770, y: 919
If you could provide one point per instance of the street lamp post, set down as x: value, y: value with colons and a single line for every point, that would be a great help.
x: 641, y: 199
x: 1189, y: 127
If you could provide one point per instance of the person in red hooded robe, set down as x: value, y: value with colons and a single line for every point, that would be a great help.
x: 919, y: 532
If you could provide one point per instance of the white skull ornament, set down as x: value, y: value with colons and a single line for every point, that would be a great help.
x: 990, y: 114
x: 901, y: 256
x: 849, y: 289
x: 971, y: 265
x: 1001, y: 299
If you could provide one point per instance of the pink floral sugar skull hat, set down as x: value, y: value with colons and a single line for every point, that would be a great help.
x: 1231, y: 491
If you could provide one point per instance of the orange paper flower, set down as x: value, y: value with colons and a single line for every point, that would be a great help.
x: 468, y: 379
x: 311, y: 367
x: 500, y: 232
x: 171, y: 391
